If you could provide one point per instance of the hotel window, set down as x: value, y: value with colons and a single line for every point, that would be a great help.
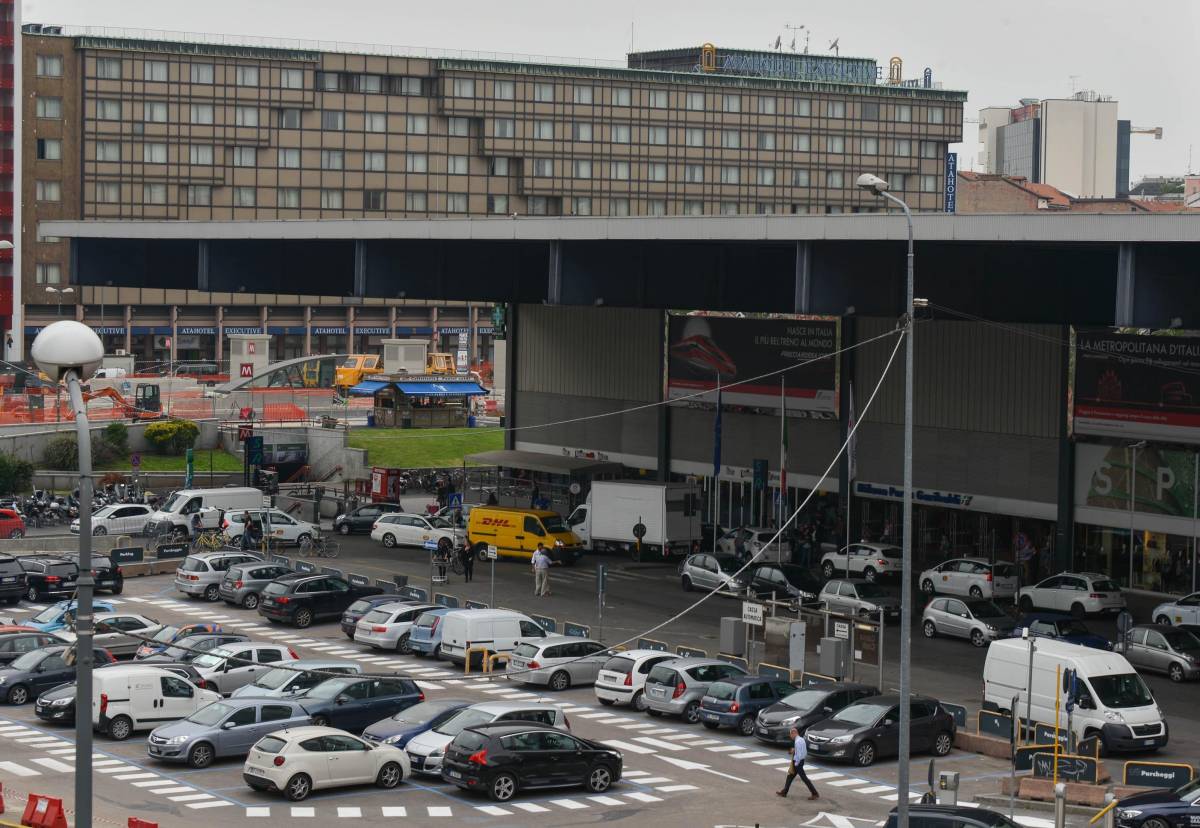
x: 729, y: 208
x: 49, y: 107
x: 543, y: 130
x: 107, y: 192
x: 694, y: 101
x: 49, y: 273
x: 799, y: 178
x: 619, y: 171
x: 154, y: 71
x: 498, y: 166
x: 766, y: 177
x: 834, y: 179
x: 497, y: 204
x: 288, y: 198
x: 870, y: 110
x: 332, y: 160
x: 202, y: 113
x: 463, y: 88
x: 801, y: 107
x: 49, y: 149
x: 154, y: 193
x: 543, y: 92
x: 415, y: 202
x: 288, y: 158
x: 327, y: 81
x: 543, y: 168
x: 581, y: 168
x: 693, y: 173
x: 693, y: 137
x: 656, y: 135
x: 504, y: 90
x: 373, y: 200
x: 730, y: 175
x: 618, y: 206
x: 658, y: 98
x: 410, y: 86
x: 202, y: 155
x: 247, y: 76
x: 656, y: 207
x: 766, y: 105
x: 108, y: 68
x: 581, y: 206
x: 49, y: 66
x: 731, y: 103
x: 929, y: 149
x: 835, y: 144
x: 456, y: 203
x: 108, y: 110
x: 539, y: 206
x: 375, y: 161
x: 801, y: 142
x: 870, y: 146
x: 291, y: 78
x: 620, y: 133
x: 936, y: 115
x: 367, y: 83
x: 416, y: 162
x: 245, y: 157
x: 52, y: 191
x: 766, y: 140
x: 108, y: 150
x: 202, y: 73
x: 657, y: 171
x: 458, y: 127
x: 154, y: 112
x: 333, y: 120
x: 731, y: 139
x: 456, y: 165
x: 929, y: 183
x: 331, y: 199
x: 583, y: 94
x: 503, y: 127
x: 835, y: 109
x: 581, y: 132
x: 693, y: 208
x: 903, y: 147
x: 155, y: 154
x: 764, y: 209
x: 898, y: 181
x: 243, y: 196
x: 904, y: 113
x: 375, y: 122
x: 419, y: 125
x: 622, y: 96
x: 289, y: 119
x: 200, y: 195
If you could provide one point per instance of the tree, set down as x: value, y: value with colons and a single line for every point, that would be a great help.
x: 172, y: 436
x: 16, y: 475
x: 62, y: 453
x: 117, y: 437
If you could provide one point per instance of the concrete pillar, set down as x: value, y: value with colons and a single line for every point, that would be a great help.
x: 220, y: 335
x: 1126, y: 284
x: 128, y: 319
x: 433, y: 325
x: 392, y: 320
x: 174, y: 335
x: 803, y: 283
x: 473, y: 335
x: 307, y: 330
x: 350, y: 315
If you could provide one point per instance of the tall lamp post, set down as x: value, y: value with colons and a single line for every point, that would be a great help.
x: 876, y: 185
x: 60, y: 294
x: 70, y: 352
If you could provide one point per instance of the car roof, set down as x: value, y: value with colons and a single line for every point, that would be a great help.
x: 552, y: 640
x: 405, y: 605
x: 307, y: 732
x: 855, y: 581
x: 1047, y: 616
x: 691, y: 661
x: 505, y: 728
x: 46, y: 558
x: 1155, y: 627
x: 295, y: 577
x: 283, y: 646
x: 489, y: 613
x: 836, y: 686
x: 511, y: 706
x: 220, y: 553
x: 320, y: 663
x: 742, y: 680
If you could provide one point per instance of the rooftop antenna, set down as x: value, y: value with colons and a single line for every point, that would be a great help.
x: 793, y: 30
x: 834, y: 46
x: 1073, y: 78
x: 778, y: 45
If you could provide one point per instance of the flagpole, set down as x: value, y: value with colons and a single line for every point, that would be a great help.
x: 783, y: 447
x: 717, y: 467
x: 850, y: 470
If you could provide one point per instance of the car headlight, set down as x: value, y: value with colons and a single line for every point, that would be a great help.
x: 841, y: 740
x: 990, y: 628
x: 391, y: 740
x: 3, y: 679
x: 61, y: 702
x: 1114, y: 716
x: 1128, y: 813
x: 790, y: 720
x: 178, y: 740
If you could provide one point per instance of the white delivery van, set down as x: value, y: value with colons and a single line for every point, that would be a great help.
x: 133, y: 697
x: 1114, y: 701
x: 498, y: 630
x: 670, y: 513
x: 176, y: 513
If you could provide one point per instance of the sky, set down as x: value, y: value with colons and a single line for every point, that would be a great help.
x: 1140, y: 53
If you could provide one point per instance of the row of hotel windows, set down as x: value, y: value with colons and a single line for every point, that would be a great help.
x: 110, y: 68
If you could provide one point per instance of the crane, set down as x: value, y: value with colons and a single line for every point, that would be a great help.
x: 1157, y: 132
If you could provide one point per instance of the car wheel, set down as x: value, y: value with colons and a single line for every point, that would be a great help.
x: 436, y: 655
x: 604, y: 702
x: 600, y: 779
x: 320, y: 721
x: 1077, y: 610
x: 978, y: 638
x: 403, y: 646
x: 97, y: 531
x: 865, y: 755
x: 1175, y: 672
x: 691, y: 713
x: 503, y: 787
x: 870, y: 575
x: 118, y: 589
x: 120, y: 728
x: 31, y: 594
x: 943, y: 743
x: 827, y: 569
x: 745, y: 725
x: 560, y: 681
x: 389, y: 540
x: 250, y: 601
x: 303, y: 618
x: 480, y: 552
x: 390, y: 775
x: 650, y: 711
x: 638, y: 702
x: 16, y: 534
x: 201, y: 755
x: 1025, y: 603
x: 927, y: 586
x: 1156, y: 822
x: 976, y: 592
x: 930, y: 629
x: 304, y: 540
x: 710, y: 725
x: 298, y: 787
x: 212, y: 593
x: 687, y: 583
x: 344, y: 528
x: 1162, y: 619
x: 18, y: 694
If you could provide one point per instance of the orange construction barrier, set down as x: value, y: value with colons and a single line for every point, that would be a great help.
x: 44, y: 812
x: 134, y: 822
x: 1, y: 797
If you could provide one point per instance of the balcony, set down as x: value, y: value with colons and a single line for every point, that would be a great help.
x: 6, y: 162
x: 6, y: 119
x: 6, y: 204
x: 6, y: 76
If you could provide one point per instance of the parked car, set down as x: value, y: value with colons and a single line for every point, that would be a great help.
x: 284, y: 528
x: 355, y: 701
x: 785, y: 582
x: 754, y: 540
x: 300, y: 598
x: 296, y: 762
x: 950, y: 816
x: 48, y: 576
x: 13, y: 645
x: 869, y: 561
x: 242, y: 584
x: 504, y: 758
x: 425, y: 751
x: 403, y: 529
x: 131, y: 697
x: 1161, y: 808
x: 362, y: 519
x: 59, y: 615
x: 12, y: 579
x: 806, y: 707
x: 425, y: 638
x: 1181, y: 611
x: 227, y: 668
x: 388, y: 626
x: 121, y: 633
x: 12, y: 525
x: 859, y: 598
x: 707, y: 571
x: 869, y: 730
x: 735, y: 702
x: 199, y: 576
x: 1164, y: 649
x: 975, y: 619
x: 399, y: 729
x: 1079, y: 593
x: 295, y: 679
x: 972, y: 577
x: 171, y: 633
x: 1060, y: 627
x: 224, y: 728
x: 558, y: 661
x: 118, y: 519
x: 676, y: 687
x: 502, y: 630
x: 622, y: 679
x: 361, y: 607
x: 191, y: 647
x: 58, y: 704
x: 36, y: 671
x: 107, y: 574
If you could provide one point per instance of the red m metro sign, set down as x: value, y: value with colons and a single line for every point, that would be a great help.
x: 247, y: 369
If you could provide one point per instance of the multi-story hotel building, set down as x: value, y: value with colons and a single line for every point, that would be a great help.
x: 151, y: 128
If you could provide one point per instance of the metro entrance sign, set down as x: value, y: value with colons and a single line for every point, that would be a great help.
x: 245, y: 432
x: 247, y: 369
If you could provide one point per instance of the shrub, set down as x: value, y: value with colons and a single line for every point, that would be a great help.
x: 62, y: 454
x: 16, y: 475
x: 117, y: 437
x: 172, y: 436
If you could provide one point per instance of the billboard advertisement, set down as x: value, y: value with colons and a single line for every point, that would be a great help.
x: 748, y: 356
x: 1136, y: 386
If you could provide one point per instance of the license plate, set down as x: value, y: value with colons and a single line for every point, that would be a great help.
x: 9, y: 580
x: 454, y: 774
x: 762, y: 730
x: 37, y: 708
x: 712, y: 717
x: 516, y: 662
x: 1147, y: 741
x: 253, y: 771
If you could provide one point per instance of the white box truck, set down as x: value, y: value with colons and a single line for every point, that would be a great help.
x: 609, y: 520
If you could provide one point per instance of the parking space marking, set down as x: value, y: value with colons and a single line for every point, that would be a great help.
x: 18, y: 770
x: 174, y: 789
x: 258, y: 812
x: 151, y: 783
x: 300, y: 812
x: 817, y: 777
x: 568, y: 804
x: 724, y: 749
x: 644, y: 797
x: 530, y: 807
x: 653, y: 780
x: 843, y: 783
x: 216, y: 803
x: 492, y: 810
x: 873, y: 789
x: 675, y: 788
x: 438, y: 811
x: 781, y: 760
x: 395, y: 811
x: 349, y: 812
x: 627, y: 746
x: 659, y: 743
x: 429, y: 685
x: 195, y: 797
x: 128, y: 777
x: 605, y: 800
x: 753, y: 754
x: 634, y: 774
x: 54, y: 764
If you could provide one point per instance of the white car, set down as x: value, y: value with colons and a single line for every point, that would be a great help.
x: 404, y: 529
x: 1079, y: 593
x: 118, y: 519
x: 754, y: 538
x: 868, y: 561
x: 425, y: 751
x: 231, y: 666
x: 387, y: 626
x: 972, y: 577
x: 1184, y: 610
x: 297, y: 761
x: 622, y: 679
x: 284, y: 528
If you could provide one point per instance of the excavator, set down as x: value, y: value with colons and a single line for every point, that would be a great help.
x: 147, y: 404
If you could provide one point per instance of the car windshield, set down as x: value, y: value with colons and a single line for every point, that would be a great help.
x: 618, y: 664
x: 103, y: 513
x: 62, y: 570
x: 866, y: 590
x: 460, y: 721
x: 271, y: 744
x: 172, y: 502
x: 378, y: 616
x: 1122, y: 690
x: 275, y: 679
x: 554, y: 524
x: 330, y: 689
x: 985, y: 609
x: 49, y: 614
x: 728, y: 563
x: 805, y: 699
x: 1105, y: 585
x: 211, y: 714
x: 860, y: 714
x: 428, y: 619
x: 1182, y: 641
x: 194, y: 565
x: 165, y: 634
x: 1072, y: 627
x: 28, y: 661
x: 722, y: 690
x: 526, y: 650
x: 359, y: 607
x: 275, y: 588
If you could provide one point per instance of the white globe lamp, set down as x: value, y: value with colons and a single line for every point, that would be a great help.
x: 65, y: 346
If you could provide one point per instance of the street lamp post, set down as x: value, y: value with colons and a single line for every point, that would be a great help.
x: 70, y: 352
x: 875, y: 184
x: 59, y: 293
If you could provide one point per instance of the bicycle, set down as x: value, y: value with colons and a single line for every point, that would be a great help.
x: 321, y: 547
x: 211, y: 540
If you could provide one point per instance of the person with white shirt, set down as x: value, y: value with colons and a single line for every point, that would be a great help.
x: 796, y: 768
x: 541, y: 571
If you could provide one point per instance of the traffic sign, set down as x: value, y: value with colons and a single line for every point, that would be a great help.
x: 1124, y: 622
x: 490, y: 554
x: 254, y: 450
x: 135, y: 460
x: 752, y: 613
x: 245, y: 432
x: 247, y: 369
x: 639, y: 530
x: 601, y: 577
x: 841, y: 629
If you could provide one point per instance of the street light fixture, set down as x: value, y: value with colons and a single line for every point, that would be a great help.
x: 877, y: 186
x: 69, y: 352
x: 59, y: 293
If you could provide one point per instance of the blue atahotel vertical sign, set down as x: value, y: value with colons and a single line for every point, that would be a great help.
x: 951, y: 180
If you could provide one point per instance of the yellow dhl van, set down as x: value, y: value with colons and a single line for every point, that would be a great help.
x: 516, y: 533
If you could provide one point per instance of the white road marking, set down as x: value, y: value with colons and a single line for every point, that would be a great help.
x: 843, y: 783
x: 151, y: 783
x: 128, y: 777
x: 177, y: 789
x: 674, y: 788
x: 301, y: 812
x: 569, y: 804
x: 492, y: 810
x: 68, y: 751
x: 634, y: 774
x: 529, y: 807
x: 817, y: 777
x: 428, y: 685
x: 216, y: 803
x: 643, y: 797
x: 658, y: 731
x: 54, y: 764
x: 782, y: 760
x: 605, y: 800
x: 349, y: 812
x: 753, y: 754
x: 118, y: 768
x: 195, y: 798
x: 659, y: 743
x: 636, y: 726
x: 725, y: 749
x: 394, y: 811
x: 873, y: 789
x: 258, y: 812
x: 596, y: 716
x: 438, y: 811
x: 653, y: 780
x: 627, y: 746
x: 18, y: 770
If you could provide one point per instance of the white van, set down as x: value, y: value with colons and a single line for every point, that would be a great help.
x: 498, y: 630
x: 133, y: 697
x: 1114, y: 701
x: 177, y: 512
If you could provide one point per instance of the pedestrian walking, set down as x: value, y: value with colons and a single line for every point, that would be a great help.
x: 251, y: 534
x: 796, y: 768
x: 541, y: 570
x: 468, y: 561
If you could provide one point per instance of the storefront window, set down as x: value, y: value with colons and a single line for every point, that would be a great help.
x: 287, y: 346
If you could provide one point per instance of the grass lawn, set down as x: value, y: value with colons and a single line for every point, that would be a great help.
x: 424, y: 448
x: 222, y: 461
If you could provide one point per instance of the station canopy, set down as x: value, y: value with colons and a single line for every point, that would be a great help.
x: 546, y: 463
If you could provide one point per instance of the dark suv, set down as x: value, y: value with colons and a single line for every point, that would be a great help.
x: 951, y: 816
x: 47, y: 576
x: 301, y: 598
x: 107, y: 574
x: 870, y: 729
x: 12, y: 579
x: 363, y: 518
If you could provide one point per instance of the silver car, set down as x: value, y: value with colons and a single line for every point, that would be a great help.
x: 199, y: 576
x: 849, y: 596
x: 1164, y: 649
x: 707, y: 571
x: 976, y: 620
x: 225, y: 669
x: 242, y: 584
x: 121, y: 633
x: 191, y: 647
x: 558, y: 661
x: 676, y: 687
x: 387, y: 626
x: 293, y: 680
x: 224, y: 728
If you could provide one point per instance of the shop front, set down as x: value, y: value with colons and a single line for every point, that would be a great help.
x: 195, y: 344
x: 286, y: 342
x: 368, y: 339
x: 329, y: 339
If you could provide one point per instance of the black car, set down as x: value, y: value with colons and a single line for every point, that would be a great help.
x: 784, y: 581
x: 48, y: 576
x: 13, y: 645
x: 353, y: 702
x: 805, y: 708
x: 107, y: 574
x: 363, y: 518
x: 301, y: 598
x: 951, y: 816
x: 361, y: 607
x: 24, y: 678
x: 58, y: 703
x: 870, y: 729
x: 1162, y: 808
x: 12, y: 579
x: 502, y: 758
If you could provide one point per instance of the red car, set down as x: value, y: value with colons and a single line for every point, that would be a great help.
x: 12, y: 525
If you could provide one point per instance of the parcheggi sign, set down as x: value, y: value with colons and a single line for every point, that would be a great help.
x: 934, y: 498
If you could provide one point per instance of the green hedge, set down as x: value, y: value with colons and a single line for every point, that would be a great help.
x: 172, y: 436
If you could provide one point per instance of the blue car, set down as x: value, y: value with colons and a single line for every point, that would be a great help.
x: 1178, y: 808
x: 360, y: 608
x: 399, y: 729
x: 425, y: 638
x: 735, y: 701
x: 353, y: 702
x: 57, y: 616
x: 1061, y: 627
